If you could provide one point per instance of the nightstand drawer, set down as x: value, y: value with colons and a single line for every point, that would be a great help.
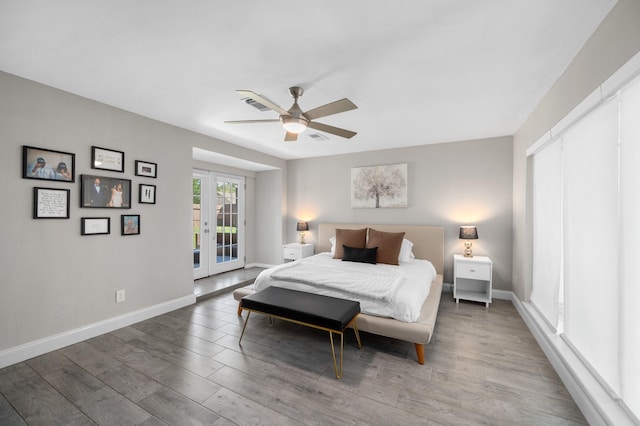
x: 473, y: 271
x: 291, y: 253
x: 296, y: 251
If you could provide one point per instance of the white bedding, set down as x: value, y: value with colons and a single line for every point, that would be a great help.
x: 396, y: 291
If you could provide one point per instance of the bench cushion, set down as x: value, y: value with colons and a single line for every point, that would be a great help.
x: 321, y: 311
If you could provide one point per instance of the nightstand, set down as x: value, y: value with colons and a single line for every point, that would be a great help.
x: 295, y: 251
x: 472, y: 278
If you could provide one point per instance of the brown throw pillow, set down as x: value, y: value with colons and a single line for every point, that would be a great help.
x: 388, y: 243
x: 356, y: 238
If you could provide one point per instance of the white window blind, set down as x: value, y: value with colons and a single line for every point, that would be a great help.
x: 630, y: 236
x: 547, y: 233
x: 586, y: 223
x: 590, y: 229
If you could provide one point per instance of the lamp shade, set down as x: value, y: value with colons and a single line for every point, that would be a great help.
x: 302, y: 226
x: 468, y: 233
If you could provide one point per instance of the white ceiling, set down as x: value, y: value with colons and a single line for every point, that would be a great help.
x: 420, y: 71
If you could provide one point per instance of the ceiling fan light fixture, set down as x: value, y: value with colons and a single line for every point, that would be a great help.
x: 294, y: 124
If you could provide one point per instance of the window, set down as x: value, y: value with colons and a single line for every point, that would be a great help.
x: 586, y: 272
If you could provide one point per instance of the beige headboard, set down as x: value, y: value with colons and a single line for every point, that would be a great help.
x: 428, y: 241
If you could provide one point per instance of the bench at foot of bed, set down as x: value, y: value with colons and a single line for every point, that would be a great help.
x: 311, y: 310
x: 419, y: 333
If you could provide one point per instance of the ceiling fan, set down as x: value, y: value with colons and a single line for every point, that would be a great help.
x: 295, y: 120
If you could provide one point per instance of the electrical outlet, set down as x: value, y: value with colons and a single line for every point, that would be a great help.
x: 119, y: 296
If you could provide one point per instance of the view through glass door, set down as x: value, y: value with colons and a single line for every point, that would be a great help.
x: 218, y: 223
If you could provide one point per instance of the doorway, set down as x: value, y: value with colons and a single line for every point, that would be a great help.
x: 218, y: 223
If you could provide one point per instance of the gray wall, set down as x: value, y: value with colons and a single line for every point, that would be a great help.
x: 53, y: 279
x: 615, y: 42
x: 270, y: 213
x: 449, y: 184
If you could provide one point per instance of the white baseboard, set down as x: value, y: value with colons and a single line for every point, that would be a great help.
x: 502, y: 294
x: 596, y: 404
x: 258, y: 265
x: 51, y: 343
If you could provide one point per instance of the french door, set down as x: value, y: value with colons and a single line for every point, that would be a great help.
x: 218, y: 223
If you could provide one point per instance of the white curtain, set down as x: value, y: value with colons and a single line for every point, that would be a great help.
x: 547, y: 233
x: 630, y: 236
x: 591, y: 276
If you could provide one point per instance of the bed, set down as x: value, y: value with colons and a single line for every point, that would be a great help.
x: 415, y: 327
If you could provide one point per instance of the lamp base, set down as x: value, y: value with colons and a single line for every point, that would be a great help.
x: 302, y: 238
x: 467, y: 249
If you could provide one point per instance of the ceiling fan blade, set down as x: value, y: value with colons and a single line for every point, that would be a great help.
x: 290, y: 137
x: 252, y: 121
x: 264, y: 101
x: 333, y: 108
x: 333, y: 130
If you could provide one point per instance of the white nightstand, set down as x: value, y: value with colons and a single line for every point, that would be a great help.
x: 472, y: 278
x: 295, y: 251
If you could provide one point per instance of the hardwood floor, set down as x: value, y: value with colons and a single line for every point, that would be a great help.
x: 186, y: 368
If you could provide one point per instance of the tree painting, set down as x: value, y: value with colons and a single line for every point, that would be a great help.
x: 379, y: 186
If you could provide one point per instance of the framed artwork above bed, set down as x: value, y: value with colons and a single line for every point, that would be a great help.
x: 375, y: 187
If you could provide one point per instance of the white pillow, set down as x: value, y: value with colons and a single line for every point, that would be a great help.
x: 333, y: 245
x: 406, y: 251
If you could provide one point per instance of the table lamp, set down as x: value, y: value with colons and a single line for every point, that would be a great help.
x: 468, y: 233
x: 301, y: 228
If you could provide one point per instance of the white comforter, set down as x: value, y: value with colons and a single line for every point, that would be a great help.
x: 396, y: 291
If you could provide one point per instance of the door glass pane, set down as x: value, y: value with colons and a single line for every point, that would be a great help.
x: 227, y: 221
x: 197, y: 220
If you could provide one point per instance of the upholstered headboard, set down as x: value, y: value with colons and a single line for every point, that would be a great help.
x: 428, y: 241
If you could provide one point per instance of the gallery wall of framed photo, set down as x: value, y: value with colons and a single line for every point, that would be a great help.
x: 112, y: 188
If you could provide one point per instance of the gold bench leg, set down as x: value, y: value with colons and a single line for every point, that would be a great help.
x: 355, y: 330
x: 244, y: 326
x: 333, y: 354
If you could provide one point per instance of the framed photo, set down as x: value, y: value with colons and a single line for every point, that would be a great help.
x: 130, y: 224
x: 40, y: 163
x: 51, y: 203
x: 144, y: 168
x: 96, y: 225
x: 147, y: 194
x: 105, y: 192
x: 107, y: 159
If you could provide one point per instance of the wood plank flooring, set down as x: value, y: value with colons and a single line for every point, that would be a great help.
x: 210, y: 286
x: 186, y: 368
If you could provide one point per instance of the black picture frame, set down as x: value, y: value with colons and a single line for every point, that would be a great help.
x: 48, y: 164
x: 105, y: 198
x: 130, y: 224
x: 146, y: 194
x: 107, y: 159
x: 146, y: 168
x: 95, y: 226
x: 51, y: 203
